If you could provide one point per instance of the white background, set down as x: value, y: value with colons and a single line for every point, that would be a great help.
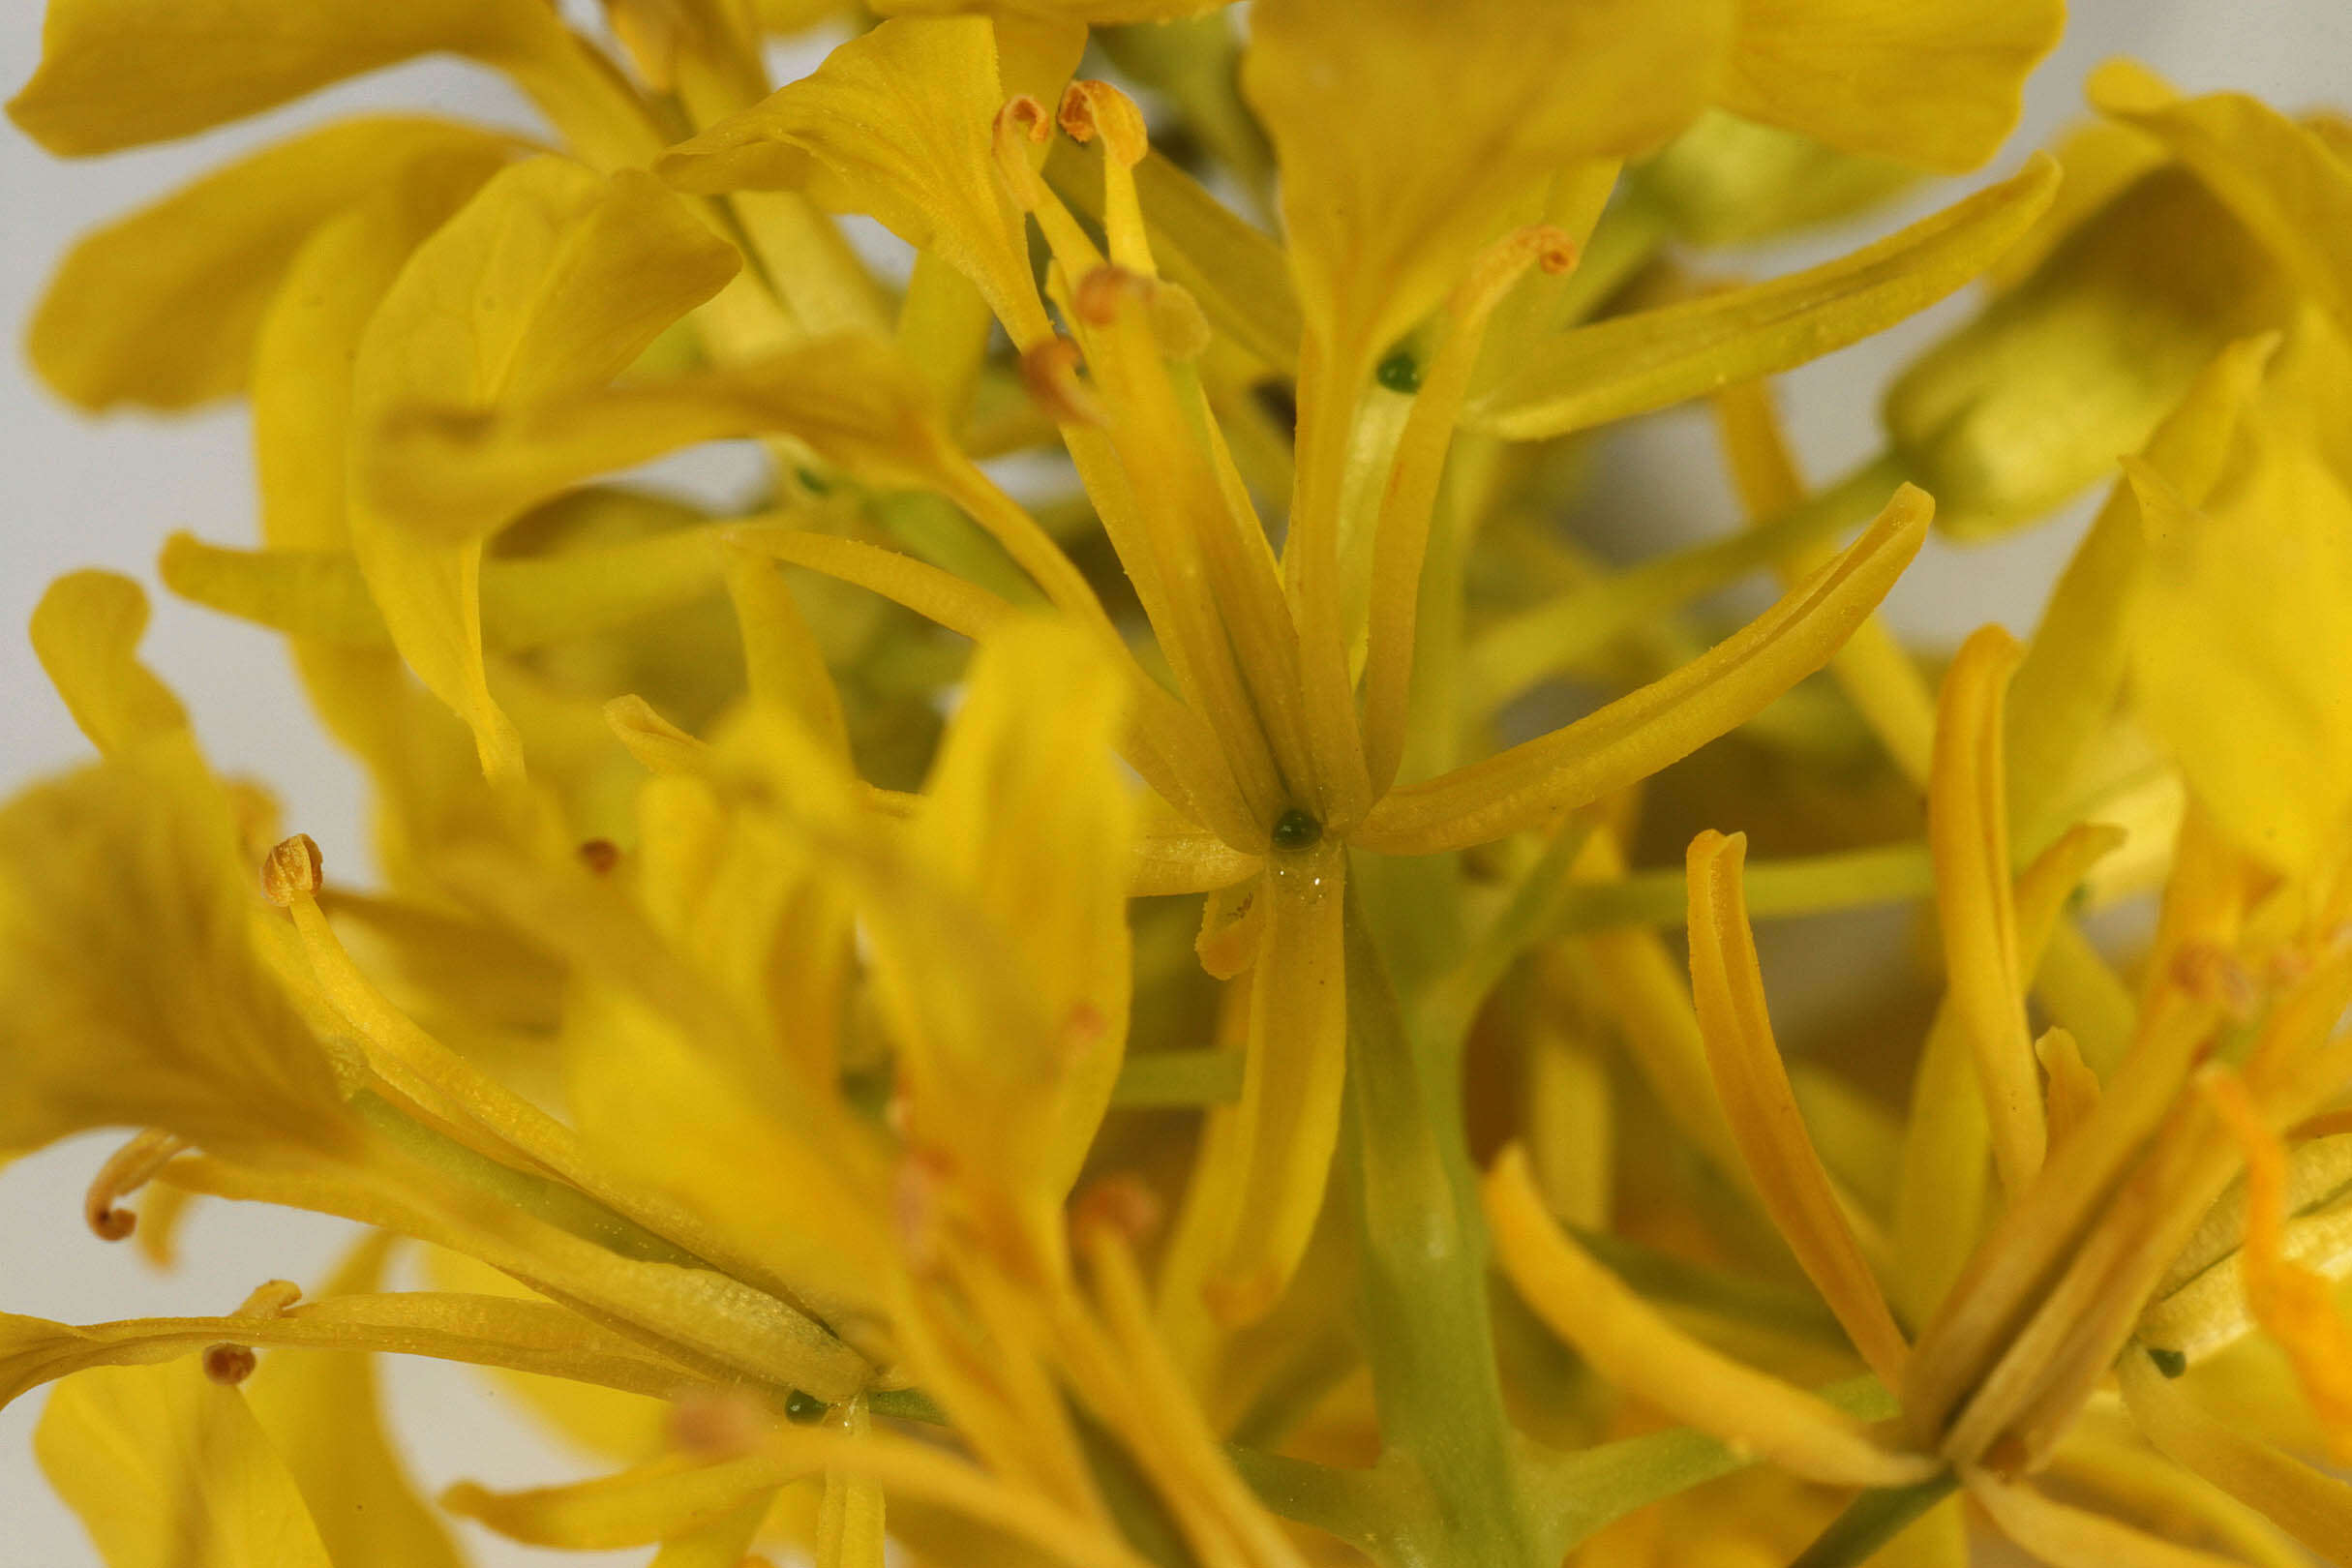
x: 76, y: 493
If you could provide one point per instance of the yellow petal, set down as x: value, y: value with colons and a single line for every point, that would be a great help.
x: 661, y: 1501
x: 161, y: 309
x: 547, y: 284
x: 645, y: 1505
x: 1830, y: 68
x: 935, y: 595
x: 623, y: 1428
x: 1941, y: 1204
x: 324, y: 1413
x: 489, y: 1331
x: 2067, y: 1537
x: 896, y: 125
x: 849, y: 397
x: 724, y: 1542
x: 135, y: 868
x: 1632, y: 1346
x: 1649, y: 359
x: 1731, y: 181
x: 1026, y: 818
x: 527, y: 602
x: 2312, y: 1506
x: 2074, y: 670
x: 1968, y: 832
x: 2281, y: 179
x: 2244, y: 652
x: 716, y: 1328
x: 87, y: 631
x: 1665, y: 722
x: 1754, y: 1085
x: 1405, y: 133
x: 1288, y: 1120
x: 117, y: 73
x: 166, y: 1467
x: 783, y: 662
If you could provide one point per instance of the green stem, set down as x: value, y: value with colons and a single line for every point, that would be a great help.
x: 1871, y: 1520
x: 1577, y: 1494
x: 1799, y: 884
x: 565, y: 1207
x: 1357, y: 1507
x: 1161, y: 1078
x: 1429, y: 1334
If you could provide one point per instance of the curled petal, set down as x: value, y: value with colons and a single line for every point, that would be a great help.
x: 1665, y: 722
x: 1633, y: 1346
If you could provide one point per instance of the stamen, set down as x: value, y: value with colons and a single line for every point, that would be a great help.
x: 1121, y: 1205
x: 1023, y: 120
x: 2210, y: 973
x: 1049, y: 373
x: 724, y: 1423
x: 1091, y: 108
x: 1095, y: 108
x: 128, y: 1169
x: 292, y: 870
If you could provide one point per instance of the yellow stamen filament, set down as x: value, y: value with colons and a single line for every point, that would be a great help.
x: 1728, y: 985
x: 126, y: 1170
x: 1023, y: 120
x: 1401, y: 535
x: 1096, y: 109
x: 2293, y: 1305
x: 1632, y: 1346
x: 1968, y: 835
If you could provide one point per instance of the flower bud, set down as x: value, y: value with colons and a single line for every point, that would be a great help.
x: 2040, y: 394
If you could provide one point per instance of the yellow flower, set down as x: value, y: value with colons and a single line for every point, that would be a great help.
x: 772, y: 1018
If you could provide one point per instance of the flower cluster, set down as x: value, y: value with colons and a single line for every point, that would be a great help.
x: 1076, y: 1021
